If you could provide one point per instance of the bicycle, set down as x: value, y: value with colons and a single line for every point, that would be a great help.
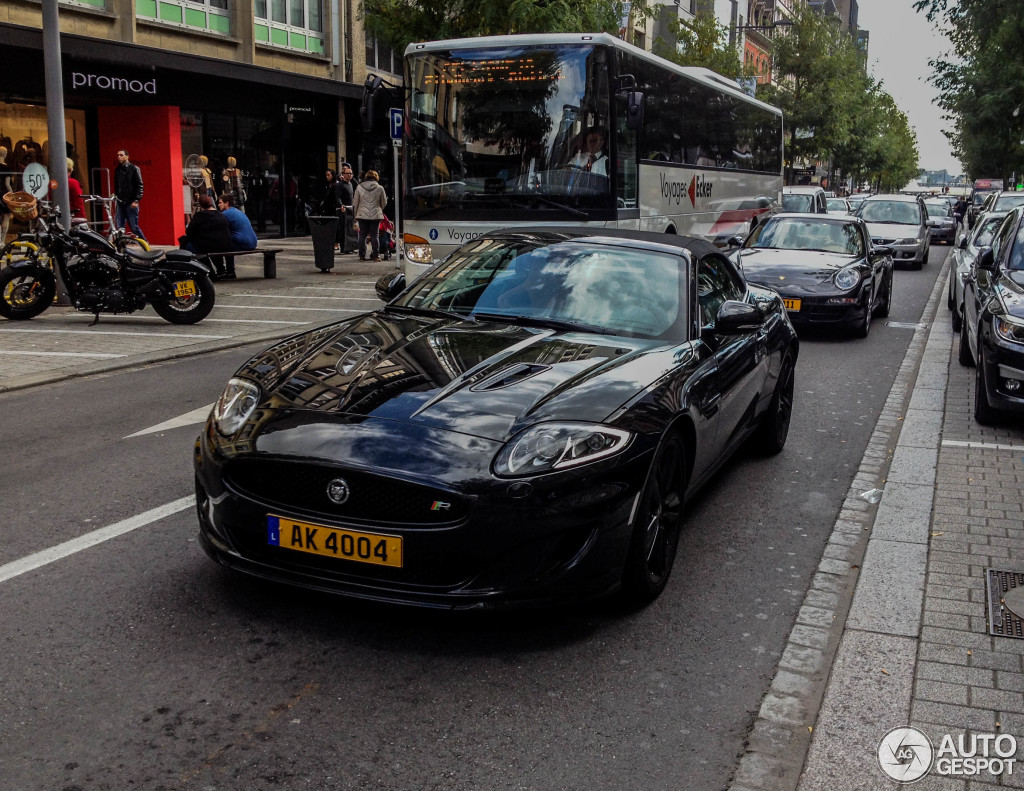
x: 121, y: 238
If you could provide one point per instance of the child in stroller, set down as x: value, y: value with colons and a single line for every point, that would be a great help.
x: 385, y: 238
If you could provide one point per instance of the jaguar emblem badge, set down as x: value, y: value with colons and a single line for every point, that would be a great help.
x: 338, y: 491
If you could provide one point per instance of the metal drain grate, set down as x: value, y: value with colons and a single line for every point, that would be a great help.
x: 1005, y: 603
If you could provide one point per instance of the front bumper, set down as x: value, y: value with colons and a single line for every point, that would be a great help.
x: 505, y: 545
x: 1003, y: 366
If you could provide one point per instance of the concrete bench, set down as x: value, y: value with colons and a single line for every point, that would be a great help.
x: 269, y: 259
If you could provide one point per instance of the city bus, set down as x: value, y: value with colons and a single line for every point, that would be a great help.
x: 498, y: 129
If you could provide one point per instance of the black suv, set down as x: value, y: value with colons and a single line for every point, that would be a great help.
x: 992, y: 331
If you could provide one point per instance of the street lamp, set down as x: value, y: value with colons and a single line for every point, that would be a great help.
x: 759, y: 28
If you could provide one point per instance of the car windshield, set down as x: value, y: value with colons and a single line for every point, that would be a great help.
x: 1007, y: 202
x: 986, y: 230
x: 797, y: 202
x: 561, y: 283
x: 793, y: 233
x: 837, y: 204
x: 1016, y: 260
x: 937, y: 209
x: 890, y: 211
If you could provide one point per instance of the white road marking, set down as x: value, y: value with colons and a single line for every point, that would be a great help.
x: 955, y: 443
x: 63, y: 354
x: 46, y: 556
x: 118, y: 332
x: 279, y: 307
x: 188, y: 419
x: 300, y: 296
x: 338, y: 288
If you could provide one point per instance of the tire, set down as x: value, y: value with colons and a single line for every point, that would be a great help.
x: 191, y: 309
x: 659, y: 520
x: 26, y: 291
x: 956, y: 318
x: 964, y: 355
x: 927, y: 253
x: 949, y: 291
x: 770, y: 436
x: 882, y: 311
x: 863, y: 327
x: 983, y: 412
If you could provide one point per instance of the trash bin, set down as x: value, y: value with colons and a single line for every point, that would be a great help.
x: 324, y: 230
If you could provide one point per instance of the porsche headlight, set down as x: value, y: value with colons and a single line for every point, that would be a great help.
x: 1009, y: 329
x: 847, y: 278
x: 235, y: 405
x: 548, y: 447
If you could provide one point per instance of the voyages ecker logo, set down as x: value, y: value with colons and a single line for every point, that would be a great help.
x: 673, y: 191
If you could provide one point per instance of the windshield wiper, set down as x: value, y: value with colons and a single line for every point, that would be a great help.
x: 538, y: 321
x: 443, y: 314
x: 548, y: 202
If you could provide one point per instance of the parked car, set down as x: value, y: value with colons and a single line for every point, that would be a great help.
x: 966, y: 250
x: 523, y: 423
x: 804, y: 199
x: 941, y: 225
x: 1001, y: 201
x: 898, y: 222
x: 838, y: 206
x: 826, y: 269
x: 992, y: 330
x: 856, y: 200
x: 981, y: 190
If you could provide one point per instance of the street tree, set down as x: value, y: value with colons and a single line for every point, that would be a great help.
x: 701, y: 41
x: 981, y: 85
x: 400, y: 22
x: 813, y: 61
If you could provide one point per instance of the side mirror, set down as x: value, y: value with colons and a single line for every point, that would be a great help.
x: 634, y: 110
x: 986, y: 260
x: 962, y: 241
x: 735, y: 241
x: 881, y: 249
x: 390, y: 286
x: 736, y: 317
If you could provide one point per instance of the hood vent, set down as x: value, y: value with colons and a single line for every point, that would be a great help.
x: 512, y: 375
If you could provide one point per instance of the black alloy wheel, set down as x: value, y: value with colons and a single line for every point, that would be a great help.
x: 882, y: 311
x: 657, y: 525
x: 770, y: 437
x: 863, y: 327
x: 956, y: 318
x: 192, y: 308
x: 964, y: 356
x: 25, y: 292
x: 983, y: 411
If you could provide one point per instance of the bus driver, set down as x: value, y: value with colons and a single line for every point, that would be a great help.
x: 591, y: 156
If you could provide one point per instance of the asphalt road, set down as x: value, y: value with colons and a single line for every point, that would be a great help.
x: 137, y: 663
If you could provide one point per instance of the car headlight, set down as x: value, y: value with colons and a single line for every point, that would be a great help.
x: 235, y: 405
x: 1009, y: 329
x: 847, y: 278
x: 911, y: 240
x: 547, y: 447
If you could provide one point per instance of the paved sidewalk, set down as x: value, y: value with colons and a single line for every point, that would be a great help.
x: 61, y: 344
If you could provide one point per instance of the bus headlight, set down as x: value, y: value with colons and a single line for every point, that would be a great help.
x: 417, y: 249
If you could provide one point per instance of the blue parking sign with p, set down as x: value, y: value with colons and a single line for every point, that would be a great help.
x: 396, y: 123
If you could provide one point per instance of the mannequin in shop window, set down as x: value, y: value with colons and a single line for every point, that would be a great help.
x: 75, y: 199
x: 233, y: 183
x: 208, y: 189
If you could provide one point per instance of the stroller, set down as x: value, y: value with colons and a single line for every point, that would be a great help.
x: 386, y: 238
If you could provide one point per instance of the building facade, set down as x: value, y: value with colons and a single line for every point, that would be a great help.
x: 270, y: 88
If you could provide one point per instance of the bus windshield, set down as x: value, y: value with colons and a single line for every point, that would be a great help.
x: 493, y: 132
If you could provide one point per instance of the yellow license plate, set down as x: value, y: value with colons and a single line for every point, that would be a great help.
x: 184, y: 288
x: 380, y: 550
x: 791, y: 304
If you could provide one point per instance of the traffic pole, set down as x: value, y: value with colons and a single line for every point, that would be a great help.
x: 55, y: 122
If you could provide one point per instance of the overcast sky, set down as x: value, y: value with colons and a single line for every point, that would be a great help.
x: 902, y: 42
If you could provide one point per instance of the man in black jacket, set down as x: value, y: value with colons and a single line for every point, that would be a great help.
x: 128, y: 192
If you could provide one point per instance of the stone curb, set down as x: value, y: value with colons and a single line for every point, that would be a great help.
x: 780, y: 739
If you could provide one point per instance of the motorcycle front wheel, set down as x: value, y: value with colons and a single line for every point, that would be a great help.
x: 189, y: 309
x: 25, y: 292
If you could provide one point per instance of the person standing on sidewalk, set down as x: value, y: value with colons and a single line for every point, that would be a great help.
x: 347, y: 229
x: 127, y: 193
x: 368, y: 208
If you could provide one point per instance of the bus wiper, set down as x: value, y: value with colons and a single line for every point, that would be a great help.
x: 548, y: 202
x: 538, y: 321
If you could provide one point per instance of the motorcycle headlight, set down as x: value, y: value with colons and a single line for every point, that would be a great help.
x: 235, y: 405
x: 548, y: 447
x: 847, y: 278
x: 1009, y: 329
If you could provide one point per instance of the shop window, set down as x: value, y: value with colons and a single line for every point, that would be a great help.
x: 292, y: 24
x: 380, y: 57
x: 209, y: 15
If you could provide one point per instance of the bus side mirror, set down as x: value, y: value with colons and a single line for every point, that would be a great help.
x: 634, y: 110
x: 366, y: 108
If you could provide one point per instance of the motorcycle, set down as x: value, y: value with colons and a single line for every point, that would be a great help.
x: 100, y: 278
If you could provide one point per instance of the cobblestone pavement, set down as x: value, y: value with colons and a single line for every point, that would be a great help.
x: 60, y: 343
